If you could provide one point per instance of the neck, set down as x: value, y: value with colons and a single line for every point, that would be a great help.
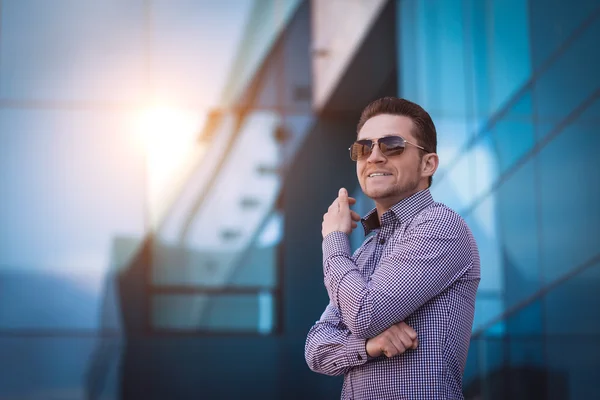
x: 383, y: 205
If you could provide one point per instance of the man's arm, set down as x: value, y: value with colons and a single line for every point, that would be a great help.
x: 330, y: 348
x: 428, y: 260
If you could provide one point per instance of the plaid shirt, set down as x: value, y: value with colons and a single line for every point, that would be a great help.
x: 421, y: 266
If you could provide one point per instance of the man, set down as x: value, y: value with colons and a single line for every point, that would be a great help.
x: 401, y: 308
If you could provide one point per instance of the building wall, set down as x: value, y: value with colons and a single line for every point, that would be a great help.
x: 514, y: 89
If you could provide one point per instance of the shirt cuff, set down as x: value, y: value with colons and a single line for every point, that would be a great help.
x: 356, y: 351
x: 336, y: 244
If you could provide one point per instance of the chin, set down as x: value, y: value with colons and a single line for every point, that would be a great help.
x: 378, y: 194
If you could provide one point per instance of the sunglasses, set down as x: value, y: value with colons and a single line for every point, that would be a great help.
x: 388, y: 145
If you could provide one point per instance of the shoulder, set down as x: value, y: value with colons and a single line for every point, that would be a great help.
x: 439, y: 220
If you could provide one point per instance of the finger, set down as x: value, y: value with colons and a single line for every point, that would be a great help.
x: 354, y: 215
x: 354, y: 225
x: 385, y: 352
x: 388, y: 349
x: 399, y: 346
x: 343, y: 198
x: 351, y: 200
x: 405, y: 340
x: 408, y: 330
x: 415, y: 344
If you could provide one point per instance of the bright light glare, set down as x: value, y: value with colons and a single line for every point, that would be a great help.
x: 168, y: 135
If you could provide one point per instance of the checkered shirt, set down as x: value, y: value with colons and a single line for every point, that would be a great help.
x: 420, y: 266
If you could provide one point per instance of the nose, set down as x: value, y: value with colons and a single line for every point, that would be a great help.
x: 376, y: 155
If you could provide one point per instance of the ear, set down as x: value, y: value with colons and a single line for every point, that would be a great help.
x: 429, y: 164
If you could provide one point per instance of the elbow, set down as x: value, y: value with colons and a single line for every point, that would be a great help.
x: 311, y: 361
x: 367, y: 328
x: 318, y: 363
x: 363, y: 332
x: 367, y: 321
x: 360, y: 319
x: 315, y: 366
x: 363, y: 328
x: 311, y: 355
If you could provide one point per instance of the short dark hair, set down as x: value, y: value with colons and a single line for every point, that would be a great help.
x: 425, y: 129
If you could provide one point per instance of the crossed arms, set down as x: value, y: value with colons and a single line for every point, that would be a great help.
x: 367, y: 313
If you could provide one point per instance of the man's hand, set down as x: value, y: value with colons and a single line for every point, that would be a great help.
x: 393, y: 341
x: 339, y: 217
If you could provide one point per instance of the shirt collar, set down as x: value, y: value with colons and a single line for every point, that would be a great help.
x: 402, y: 211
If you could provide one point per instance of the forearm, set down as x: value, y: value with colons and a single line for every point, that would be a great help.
x: 332, y: 351
x: 354, y: 304
x: 358, y: 302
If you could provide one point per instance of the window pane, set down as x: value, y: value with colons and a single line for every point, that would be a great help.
x: 514, y: 134
x: 518, y: 228
x: 574, y: 75
x: 232, y: 312
x: 72, y: 189
x: 573, y: 308
x: 570, y: 196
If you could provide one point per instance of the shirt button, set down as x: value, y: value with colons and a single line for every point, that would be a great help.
x: 381, y: 241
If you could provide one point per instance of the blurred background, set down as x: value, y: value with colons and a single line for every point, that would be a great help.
x: 165, y: 164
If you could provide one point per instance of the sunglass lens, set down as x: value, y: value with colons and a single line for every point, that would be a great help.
x: 360, y: 149
x: 392, y: 145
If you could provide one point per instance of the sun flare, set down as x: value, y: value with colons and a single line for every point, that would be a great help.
x: 168, y: 136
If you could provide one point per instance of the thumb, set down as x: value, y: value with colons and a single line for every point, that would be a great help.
x: 343, y: 195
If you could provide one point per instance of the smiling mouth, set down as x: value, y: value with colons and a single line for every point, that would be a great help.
x: 378, y: 174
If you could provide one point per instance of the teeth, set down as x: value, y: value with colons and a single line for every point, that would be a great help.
x: 378, y: 174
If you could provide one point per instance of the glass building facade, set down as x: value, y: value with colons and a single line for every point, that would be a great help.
x: 151, y: 252
x: 514, y: 89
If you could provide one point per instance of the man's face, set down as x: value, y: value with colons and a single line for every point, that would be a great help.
x: 398, y: 176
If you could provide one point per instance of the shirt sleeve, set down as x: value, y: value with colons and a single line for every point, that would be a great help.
x: 330, y: 347
x: 426, y: 261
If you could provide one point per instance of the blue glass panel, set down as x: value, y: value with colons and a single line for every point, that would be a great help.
x: 527, y: 352
x: 573, y: 308
x: 60, y: 367
x: 518, y: 229
x: 493, y: 381
x: 510, y: 65
x: 409, y: 55
x: 72, y: 186
x: 552, y: 22
x: 480, y: 52
x: 453, y: 132
x: 485, y: 166
x: 255, y: 266
x: 448, y: 96
x: 453, y: 186
x: 572, y: 362
x: 483, y: 221
x: 570, y: 197
x: 514, y: 134
x: 569, y: 82
x: 526, y: 322
x: 486, y: 309
x: 235, y: 312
